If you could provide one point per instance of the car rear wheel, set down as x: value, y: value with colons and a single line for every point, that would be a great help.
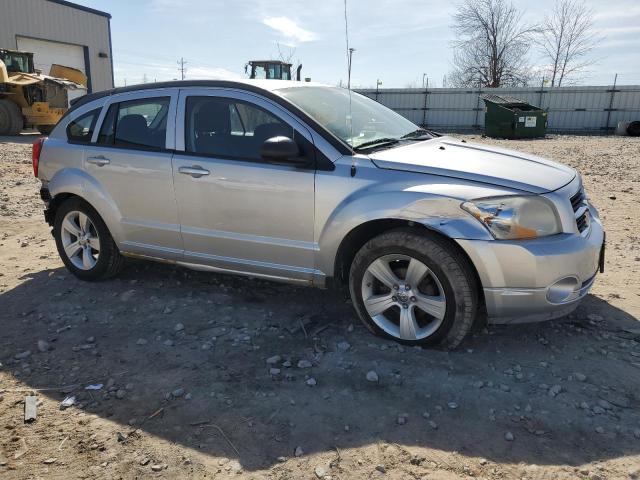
x: 84, y: 242
x: 415, y: 289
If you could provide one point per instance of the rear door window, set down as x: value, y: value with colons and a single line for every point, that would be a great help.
x: 80, y: 130
x: 139, y: 124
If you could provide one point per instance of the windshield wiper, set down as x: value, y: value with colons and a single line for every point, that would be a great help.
x: 419, y: 134
x: 378, y: 142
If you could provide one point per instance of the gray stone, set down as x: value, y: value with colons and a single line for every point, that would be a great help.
x: 604, y: 404
x: 509, y: 437
x: 305, y: 364
x: 344, y: 346
x: 555, y: 390
x: 120, y: 394
x: 372, y: 376
x: 581, y: 377
x: 599, y: 429
x: 179, y: 327
x: 43, y: 346
x: 274, y: 371
x: 188, y: 396
x: 168, y: 342
x: 178, y: 392
x: 274, y: 360
x: 320, y: 471
x: 452, y: 405
x: 402, y: 419
x: 23, y: 355
x: 311, y: 382
x: 433, y: 424
x: 126, y: 296
x: 298, y: 452
x: 141, y: 341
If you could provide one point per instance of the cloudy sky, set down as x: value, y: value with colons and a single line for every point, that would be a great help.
x: 396, y: 41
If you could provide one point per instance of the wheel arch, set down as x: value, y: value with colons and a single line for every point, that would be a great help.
x: 361, y: 234
x: 72, y: 182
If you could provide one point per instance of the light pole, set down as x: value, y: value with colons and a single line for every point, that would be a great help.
x: 424, y: 75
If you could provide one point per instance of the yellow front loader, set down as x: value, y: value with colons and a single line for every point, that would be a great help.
x: 30, y: 99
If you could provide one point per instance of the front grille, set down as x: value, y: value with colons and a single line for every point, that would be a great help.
x: 577, y: 199
x: 579, y: 205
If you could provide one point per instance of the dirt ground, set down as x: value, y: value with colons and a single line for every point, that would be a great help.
x: 202, y: 376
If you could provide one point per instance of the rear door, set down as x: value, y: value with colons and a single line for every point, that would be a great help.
x: 131, y: 159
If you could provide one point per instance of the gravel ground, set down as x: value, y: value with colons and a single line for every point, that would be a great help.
x: 213, y: 376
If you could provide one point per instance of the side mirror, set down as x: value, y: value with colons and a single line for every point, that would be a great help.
x: 282, y: 151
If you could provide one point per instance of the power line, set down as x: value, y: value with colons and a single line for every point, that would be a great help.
x: 182, y: 67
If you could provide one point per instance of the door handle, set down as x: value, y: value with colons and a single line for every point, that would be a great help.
x: 99, y: 160
x: 195, y: 171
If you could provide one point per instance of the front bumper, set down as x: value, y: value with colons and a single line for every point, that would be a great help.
x: 535, y: 280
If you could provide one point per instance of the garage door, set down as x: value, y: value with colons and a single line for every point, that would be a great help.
x: 46, y: 53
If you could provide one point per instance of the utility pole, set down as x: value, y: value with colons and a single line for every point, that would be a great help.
x: 182, y: 62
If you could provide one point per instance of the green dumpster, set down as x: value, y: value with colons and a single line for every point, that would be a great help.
x: 509, y: 117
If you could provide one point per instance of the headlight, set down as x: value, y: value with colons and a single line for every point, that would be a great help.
x: 512, y: 217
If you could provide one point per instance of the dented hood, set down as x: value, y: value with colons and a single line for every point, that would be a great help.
x: 449, y: 157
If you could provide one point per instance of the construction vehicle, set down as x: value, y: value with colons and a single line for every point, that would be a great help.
x: 30, y: 99
x: 271, y: 70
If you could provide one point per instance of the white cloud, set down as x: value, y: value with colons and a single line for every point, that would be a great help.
x: 289, y: 29
x: 212, y: 73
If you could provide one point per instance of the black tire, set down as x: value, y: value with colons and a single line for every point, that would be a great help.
x: 109, y: 261
x: 11, y: 120
x: 633, y: 129
x: 45, y: 129
x: 451, y: 268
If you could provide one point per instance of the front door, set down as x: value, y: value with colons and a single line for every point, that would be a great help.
x: 131, y: 159
x: 237, y: 212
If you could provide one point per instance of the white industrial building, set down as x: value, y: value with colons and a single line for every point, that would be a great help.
x: 60, y: 32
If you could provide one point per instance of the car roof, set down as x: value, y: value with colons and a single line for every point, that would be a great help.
x: 267, y: 88
x: 243, y: 84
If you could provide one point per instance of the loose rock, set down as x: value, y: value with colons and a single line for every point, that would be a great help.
x: 372, y: 376
x: 304, y: 364
x: 274, y: 360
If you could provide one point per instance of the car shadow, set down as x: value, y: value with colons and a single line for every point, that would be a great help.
x: 158, y: 329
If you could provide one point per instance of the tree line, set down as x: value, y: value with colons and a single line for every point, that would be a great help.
x: 493, y: 44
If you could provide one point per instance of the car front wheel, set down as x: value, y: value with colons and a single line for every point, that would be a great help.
x: 414, y: 288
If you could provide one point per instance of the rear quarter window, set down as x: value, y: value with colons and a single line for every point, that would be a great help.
x: 80, y: 130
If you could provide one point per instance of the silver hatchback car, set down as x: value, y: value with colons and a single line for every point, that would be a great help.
x: 315, y: 185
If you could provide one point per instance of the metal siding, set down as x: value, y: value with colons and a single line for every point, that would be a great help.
x: 580, y: 108
x: 54, y: 22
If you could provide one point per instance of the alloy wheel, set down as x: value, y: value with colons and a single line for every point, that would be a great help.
x: 80, y: 240
x: 403, y: 297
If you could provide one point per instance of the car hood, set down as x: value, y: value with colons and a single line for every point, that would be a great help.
x: 449, y: 157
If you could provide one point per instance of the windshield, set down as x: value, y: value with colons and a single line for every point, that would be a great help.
x: 329, y: 106
x: 16, y: 62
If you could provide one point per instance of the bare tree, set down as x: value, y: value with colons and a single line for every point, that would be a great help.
x: 285, y: 56
x: 491, y: 46
x: 566, y: 39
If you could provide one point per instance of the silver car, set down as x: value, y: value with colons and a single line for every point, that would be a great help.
x: 317, y: 185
